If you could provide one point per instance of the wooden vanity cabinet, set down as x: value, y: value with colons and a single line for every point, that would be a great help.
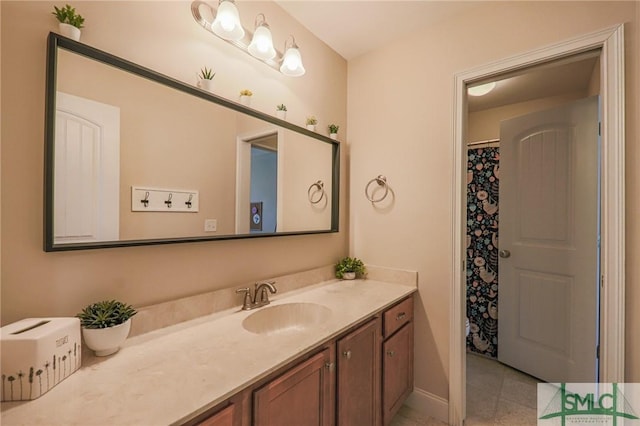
x: 358, y: 370
x: 397, y: 358
x: 303, y: 396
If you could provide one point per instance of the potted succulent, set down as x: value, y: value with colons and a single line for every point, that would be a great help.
x: 333, y: 131
x: 281, y: 111
x: 311, y: 123
x: 245, y: 97
x: 205, y: 79
x: 350, y: 268
x: 69, y: 22
x: 106, y: 325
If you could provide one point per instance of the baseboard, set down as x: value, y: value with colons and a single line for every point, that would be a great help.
x: 429, y: 404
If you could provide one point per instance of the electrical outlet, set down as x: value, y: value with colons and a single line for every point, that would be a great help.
x: 210, y: 225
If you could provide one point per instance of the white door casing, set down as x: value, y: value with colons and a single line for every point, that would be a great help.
x: 548, y: 242
x: 87, y: 171
x: 612, y: 305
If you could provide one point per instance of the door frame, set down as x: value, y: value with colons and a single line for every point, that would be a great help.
x: 611, y: 42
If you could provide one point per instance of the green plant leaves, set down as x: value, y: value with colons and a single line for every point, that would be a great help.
x: 105, y: 314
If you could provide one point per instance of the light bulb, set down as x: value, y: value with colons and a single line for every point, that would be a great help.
x: 227, y: 23
x: 261, y: 45
x: 481, y: 90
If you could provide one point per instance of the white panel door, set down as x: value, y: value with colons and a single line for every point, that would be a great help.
x: 548, y: 269
x: 87, y: 170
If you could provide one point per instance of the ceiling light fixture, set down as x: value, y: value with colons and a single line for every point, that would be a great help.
x: 292, y: 60
x: 482, y: 89
x: 227, y: 26
x: 261, y: 45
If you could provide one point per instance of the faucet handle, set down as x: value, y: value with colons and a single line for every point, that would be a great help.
x: 246, y: 303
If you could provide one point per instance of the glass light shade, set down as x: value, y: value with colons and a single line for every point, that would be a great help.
x: 481, y: 90
x: 227, y: 23
x: 261, y: 45
x: 292, y: 63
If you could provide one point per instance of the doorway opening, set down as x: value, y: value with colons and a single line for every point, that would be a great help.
x: 612, y: 201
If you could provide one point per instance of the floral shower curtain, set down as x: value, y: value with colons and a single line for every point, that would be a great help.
x: 482, y: 250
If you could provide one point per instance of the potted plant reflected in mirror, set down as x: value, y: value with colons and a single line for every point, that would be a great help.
x: 281, y: 111
x: 69, y: 22
x: 245, y: 97
x: 106, y: 325
x: 350, y: 268
x: 333, y: 131
x: 205, y: 79
x: 311, y: 123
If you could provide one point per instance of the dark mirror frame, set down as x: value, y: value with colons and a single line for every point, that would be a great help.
x: 56, y: 41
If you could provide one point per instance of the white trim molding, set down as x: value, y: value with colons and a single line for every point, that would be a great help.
x: 611, y: 43
x: 428, y: 404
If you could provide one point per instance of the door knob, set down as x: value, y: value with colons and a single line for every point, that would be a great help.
x: 504, y: 253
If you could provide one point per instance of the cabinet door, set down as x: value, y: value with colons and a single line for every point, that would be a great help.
x: 397, y: 371
x: 301, y: 397
x: 358, y: 360
x: 224, y: 417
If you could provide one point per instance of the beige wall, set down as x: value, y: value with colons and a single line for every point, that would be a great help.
x: 484, y: 125
x: 162, y: 36
x: 402, y: 128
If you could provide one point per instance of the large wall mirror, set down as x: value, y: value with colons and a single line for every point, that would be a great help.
x: 134, y: 157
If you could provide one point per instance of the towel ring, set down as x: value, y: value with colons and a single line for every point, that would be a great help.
x: 381, y: 181
x: 319, y: 185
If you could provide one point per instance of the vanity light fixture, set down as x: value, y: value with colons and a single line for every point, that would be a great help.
x: 226, y: 25
x: 261, y: 45
x: 482, y: 89
x: 292, y: 60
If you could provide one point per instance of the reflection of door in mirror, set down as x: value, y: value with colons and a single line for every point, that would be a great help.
x: 257, y: 182
x: 87, y: 172
x: 264, y: 183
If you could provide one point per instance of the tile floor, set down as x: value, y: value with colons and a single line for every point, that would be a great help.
x: 496, y: 395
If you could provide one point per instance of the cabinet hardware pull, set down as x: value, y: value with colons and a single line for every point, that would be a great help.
x: 346, y: 354
x: 391, y: 353
x: 329, y: 366
x: 400, y: 316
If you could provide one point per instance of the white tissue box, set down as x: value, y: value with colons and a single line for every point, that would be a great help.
x: 37, y: 354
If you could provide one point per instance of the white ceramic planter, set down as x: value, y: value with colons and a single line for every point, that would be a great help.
x: 106, y: 341
x: 205, y: 84
x: 69, y: 31
x: 245, y: 100
x: 348, y: 275
x: 282, y: 115
x: 311, y: 127
x: 333, y: 136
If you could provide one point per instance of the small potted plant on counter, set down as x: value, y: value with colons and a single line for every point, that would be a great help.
x: 205, y: 79
x: 281, y: 111
x: 245, y: 97
x: 106, y: 325
x: 350, y: 268
x: 333, y: 131
x: 311, y: 123
x: 69, y: 22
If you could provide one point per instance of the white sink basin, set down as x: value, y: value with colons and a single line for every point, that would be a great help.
x: 288, y: 317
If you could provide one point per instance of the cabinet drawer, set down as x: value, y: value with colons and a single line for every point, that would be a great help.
x: 397, y: 316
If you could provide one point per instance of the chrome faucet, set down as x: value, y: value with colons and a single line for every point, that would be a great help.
x: 260, y: 295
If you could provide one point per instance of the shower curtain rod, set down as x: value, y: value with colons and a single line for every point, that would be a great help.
x: 483, y: 142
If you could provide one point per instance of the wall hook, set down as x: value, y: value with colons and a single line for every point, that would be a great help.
x: 188, y: 202
x: 145, y: 200
x: 168, y: 202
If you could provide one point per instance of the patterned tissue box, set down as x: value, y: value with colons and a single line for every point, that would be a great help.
x: 37, y: 354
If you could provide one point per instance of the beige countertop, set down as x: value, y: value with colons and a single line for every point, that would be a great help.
x: 172, y: 374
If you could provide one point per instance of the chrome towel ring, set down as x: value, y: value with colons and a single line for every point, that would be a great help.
x: 319, y: 189
x: 381, y: 181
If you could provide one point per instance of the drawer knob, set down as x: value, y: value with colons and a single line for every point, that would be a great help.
x: 346, y: 354
x: 400, y: 316
x: 391, y: 353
